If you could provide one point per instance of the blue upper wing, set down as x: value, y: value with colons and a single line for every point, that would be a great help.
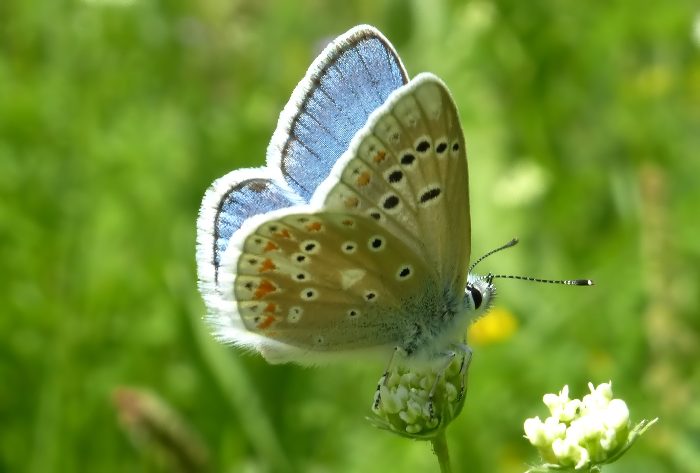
x: 351, y: 78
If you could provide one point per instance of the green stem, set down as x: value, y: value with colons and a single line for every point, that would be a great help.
x: 235, y: 384
x: 441, y: 452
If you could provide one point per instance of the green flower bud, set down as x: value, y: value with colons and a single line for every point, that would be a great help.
x: 402, y: 404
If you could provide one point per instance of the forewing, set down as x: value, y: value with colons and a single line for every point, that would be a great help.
x: 407, y: 169
x: 352, y: 77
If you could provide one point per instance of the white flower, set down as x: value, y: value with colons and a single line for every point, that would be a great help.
x: 570, y: 453
x: 535, y: 432
x: 554, y: 429
x: 617, y: 415
x: 608, y: 441
x: 599, y: 397
x: 555, y: 401
x: 560, y: 406
x: 583, y: 433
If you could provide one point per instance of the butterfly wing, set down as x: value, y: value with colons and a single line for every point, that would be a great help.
x: 373, y: 254
x: 350, y: 79
x: 407, y: 169
x: 323, y: 282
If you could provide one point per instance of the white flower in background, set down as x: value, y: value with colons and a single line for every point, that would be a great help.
x: 583, y: 434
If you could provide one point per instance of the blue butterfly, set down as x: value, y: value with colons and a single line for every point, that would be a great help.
x: 355, y: 237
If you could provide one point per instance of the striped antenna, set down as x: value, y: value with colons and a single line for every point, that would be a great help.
x: 511, y: 243
x: 568, y: 282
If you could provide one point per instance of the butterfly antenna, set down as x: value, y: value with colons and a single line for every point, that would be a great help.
x: 511, y: 243
x: 568, y: 282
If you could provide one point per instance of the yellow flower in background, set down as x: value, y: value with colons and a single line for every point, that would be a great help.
x: 653, y: 81
x: 497, y: 325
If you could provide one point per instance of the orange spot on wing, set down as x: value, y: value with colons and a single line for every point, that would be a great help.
x: 267, y: 265
x: 266, y: 323
x: 351, y: 202
x: 379, y: 157
x: 271, y: 308
x: 314, y: 227
x: 283, y: 234
x: 270, y: 246
x: 264, y: 288
x: 363, y: 179
x: 348, y: 222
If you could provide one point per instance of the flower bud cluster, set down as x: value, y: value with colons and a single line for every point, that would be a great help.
x: 583, y: 433
x: 403, y: 405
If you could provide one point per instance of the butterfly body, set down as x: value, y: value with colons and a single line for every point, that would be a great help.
x: 355, y: 236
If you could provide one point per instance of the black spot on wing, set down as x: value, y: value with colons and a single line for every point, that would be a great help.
x: 429, y: 195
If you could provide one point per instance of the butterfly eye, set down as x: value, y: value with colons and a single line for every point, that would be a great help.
x: 476, y: 296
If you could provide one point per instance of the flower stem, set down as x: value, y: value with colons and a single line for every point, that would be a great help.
x: 441, y: 452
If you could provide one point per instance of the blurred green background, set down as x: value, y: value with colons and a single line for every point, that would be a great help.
x: 583, y: 127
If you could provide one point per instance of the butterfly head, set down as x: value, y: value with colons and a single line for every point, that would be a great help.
x: 479, y: 293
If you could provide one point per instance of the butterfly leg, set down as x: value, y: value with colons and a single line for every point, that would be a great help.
x: 385, y: 377
x: 464, y: 369
x: 466, y: 353
x: 440, y: 374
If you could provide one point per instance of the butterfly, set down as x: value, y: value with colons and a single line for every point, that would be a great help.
x: 355, y: 237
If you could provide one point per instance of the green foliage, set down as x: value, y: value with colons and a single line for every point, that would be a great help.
x: 583, y: 127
